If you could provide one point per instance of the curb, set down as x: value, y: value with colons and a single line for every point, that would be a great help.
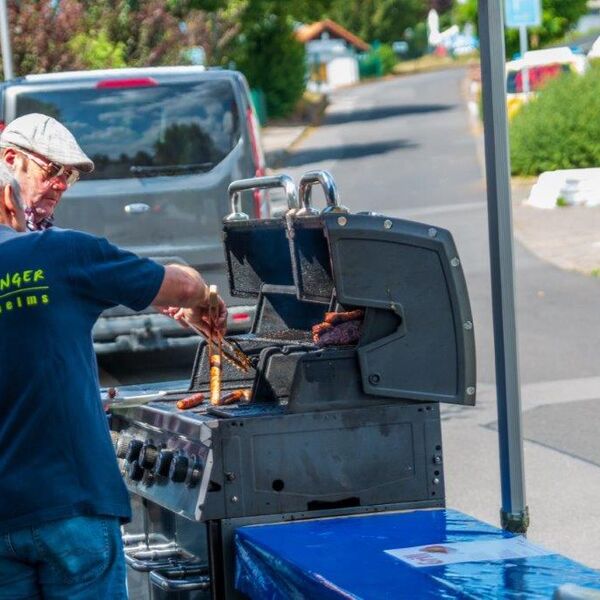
x: 278, y: 158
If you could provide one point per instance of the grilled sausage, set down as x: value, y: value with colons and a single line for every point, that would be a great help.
x: 215, y: 379
x: 235, y: 396
x: 190, y: 401
x: 340, y: 317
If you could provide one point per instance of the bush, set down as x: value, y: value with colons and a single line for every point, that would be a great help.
x: 560, y: 128
x: 380, y: 60
x: 369, y: 65
x: 387, y: 57
x: 273, y: 60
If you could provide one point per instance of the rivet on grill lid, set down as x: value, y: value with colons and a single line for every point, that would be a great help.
x: 374, y: 378
x: 432, y: 231
x: 470, y: 390
x: 455, y: 262
x: 387, y: 224
x: 342, y: 221
x: 468, y: 325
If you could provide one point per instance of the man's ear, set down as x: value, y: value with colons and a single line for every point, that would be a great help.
x: 8, y: 156
x: 13, y: 211
x: 4, y: 212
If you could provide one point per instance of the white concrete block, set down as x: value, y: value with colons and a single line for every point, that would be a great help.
x: 574, y: 186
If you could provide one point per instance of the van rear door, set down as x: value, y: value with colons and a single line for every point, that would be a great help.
x: 165, y: 150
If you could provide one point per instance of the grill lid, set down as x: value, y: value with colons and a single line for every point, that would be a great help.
x: 417, y: 339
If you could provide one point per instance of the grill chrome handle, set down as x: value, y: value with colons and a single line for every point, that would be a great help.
x: 145, y: 566
x: 156, y: 553
x: 138, y: 538
x: 133, y: 538
x: 325, y: 179
x: 165, y: 581
x: 259, y: 183
x: 145, y: 558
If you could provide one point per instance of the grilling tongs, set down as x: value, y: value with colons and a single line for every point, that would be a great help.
x: 239, y: 359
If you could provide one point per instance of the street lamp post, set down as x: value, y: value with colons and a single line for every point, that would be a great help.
x: 514, y: 511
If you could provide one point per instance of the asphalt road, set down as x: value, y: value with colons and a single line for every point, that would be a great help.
x: 405, y: 147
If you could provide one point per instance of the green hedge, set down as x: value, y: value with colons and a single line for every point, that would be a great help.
x: 380, y: 60
x: 560, y: 128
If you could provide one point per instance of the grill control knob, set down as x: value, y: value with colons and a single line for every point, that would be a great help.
x: 148, y: 455
x: 135, y: 471
x: 133, y: 450
x: 179, y: 468
x: 163, y: 463
x: 196, y: 473
x: 122, y: 445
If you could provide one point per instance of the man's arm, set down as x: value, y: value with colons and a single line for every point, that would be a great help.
x: 183, y: 295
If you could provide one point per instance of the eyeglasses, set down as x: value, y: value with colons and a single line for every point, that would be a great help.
x: 52, y: 170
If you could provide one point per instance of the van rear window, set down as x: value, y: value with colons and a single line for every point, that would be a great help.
x: 166, y: 129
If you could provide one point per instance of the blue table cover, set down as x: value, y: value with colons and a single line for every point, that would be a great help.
x: 438, y: 554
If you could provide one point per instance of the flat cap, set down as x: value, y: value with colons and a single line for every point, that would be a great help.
x: 48, y: 138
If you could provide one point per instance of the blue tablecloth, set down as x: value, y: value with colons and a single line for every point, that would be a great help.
x: 413, y: 555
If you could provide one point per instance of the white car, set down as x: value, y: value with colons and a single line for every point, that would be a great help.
x: 541, y: 66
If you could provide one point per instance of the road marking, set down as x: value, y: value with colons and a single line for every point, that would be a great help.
x: 436, y: 210
x: 544, y: 393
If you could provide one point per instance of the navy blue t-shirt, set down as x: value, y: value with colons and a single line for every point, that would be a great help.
x: 56, y: 456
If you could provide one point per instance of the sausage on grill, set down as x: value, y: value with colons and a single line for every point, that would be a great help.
x: 190, y: 401
x: 235, y: 396
x: 341, y: 317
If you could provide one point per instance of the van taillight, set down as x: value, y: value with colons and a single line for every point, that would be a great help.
x: 240, y: 317
x: 2, y: 126
x: 126, y: 83
x: 261, y: 199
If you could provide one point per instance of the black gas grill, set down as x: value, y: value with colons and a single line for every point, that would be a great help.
x: 333, y: 430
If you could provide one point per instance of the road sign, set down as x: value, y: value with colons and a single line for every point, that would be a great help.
x: 523, y: 13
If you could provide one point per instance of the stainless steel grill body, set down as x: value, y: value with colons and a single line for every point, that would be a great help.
x: 329, y: 431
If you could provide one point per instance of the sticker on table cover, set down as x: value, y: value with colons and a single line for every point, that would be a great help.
x: 433, y: 555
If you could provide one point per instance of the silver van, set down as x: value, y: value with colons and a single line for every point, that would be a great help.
x: 167, y: 142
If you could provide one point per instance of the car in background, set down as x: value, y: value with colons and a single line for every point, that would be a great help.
x: 542, y: 66
x: 594, y: 53
x: 166, y: 142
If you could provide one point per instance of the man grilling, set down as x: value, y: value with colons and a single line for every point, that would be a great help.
x: 62, y: 498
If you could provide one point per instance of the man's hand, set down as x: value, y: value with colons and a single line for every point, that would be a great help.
x: 198, y: 317
x: 183, y: 296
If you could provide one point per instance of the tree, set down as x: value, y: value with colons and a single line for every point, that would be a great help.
x: 558, y: 16
x: 441, y: 6
x: 146, y: 31
x: 40, y: 33
x: 59, y: 35
x: 393, y: 17
x: 273, y: 60
x: 383, y: 20
x: 97, y: 51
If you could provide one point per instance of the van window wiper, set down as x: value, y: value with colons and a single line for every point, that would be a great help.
x: 149, y: 171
